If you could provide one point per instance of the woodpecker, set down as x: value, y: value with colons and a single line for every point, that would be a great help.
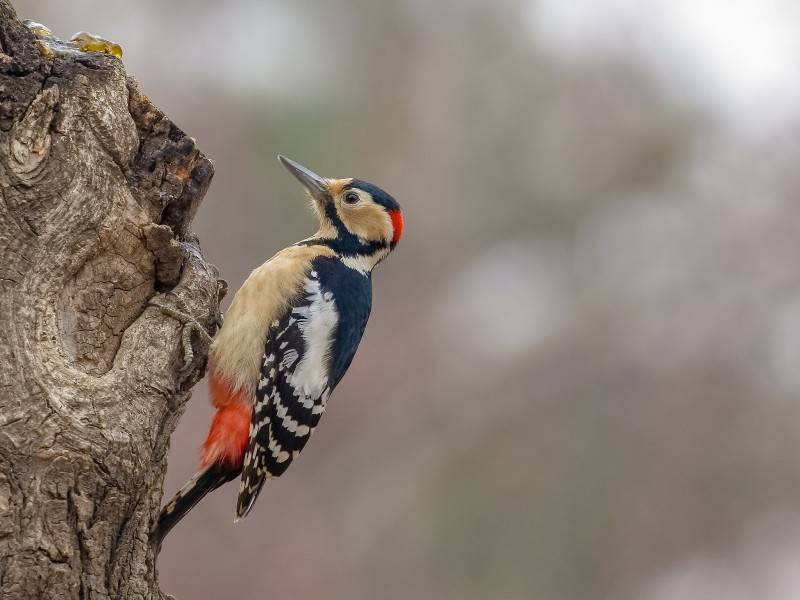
x: 287, y: 340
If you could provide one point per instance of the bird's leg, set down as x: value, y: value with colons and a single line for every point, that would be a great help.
x: 190, y: 326
x: 222, y: 291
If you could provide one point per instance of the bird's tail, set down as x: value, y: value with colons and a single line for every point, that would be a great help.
x: 203, y: 482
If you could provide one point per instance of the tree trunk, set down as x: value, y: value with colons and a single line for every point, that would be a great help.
x: 98, y: 190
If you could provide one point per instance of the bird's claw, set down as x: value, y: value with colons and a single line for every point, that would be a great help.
x: 190, y: 326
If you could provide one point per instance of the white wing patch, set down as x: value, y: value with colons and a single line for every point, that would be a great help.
x: 317, y: 322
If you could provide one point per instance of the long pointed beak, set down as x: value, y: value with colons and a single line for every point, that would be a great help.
x: 315, y: 184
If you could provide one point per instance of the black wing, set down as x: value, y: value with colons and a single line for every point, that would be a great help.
x: 284, y: 415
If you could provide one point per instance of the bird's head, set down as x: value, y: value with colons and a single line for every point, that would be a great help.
x: 356, y: 218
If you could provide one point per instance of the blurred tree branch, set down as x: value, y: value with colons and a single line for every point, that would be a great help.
x: 98, y: 191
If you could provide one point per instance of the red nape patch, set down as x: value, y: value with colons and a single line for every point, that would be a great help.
x: 397, y: 223
x: 230, y: 430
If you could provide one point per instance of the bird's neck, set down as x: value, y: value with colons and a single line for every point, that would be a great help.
x: 354, y: 253
x: 364, y: 263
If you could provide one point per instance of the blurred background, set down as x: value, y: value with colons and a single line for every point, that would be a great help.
x: 580, y: 379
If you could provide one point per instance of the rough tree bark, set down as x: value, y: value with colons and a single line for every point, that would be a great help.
x: 97, y: 193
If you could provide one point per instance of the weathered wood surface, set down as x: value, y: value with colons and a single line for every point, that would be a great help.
x: 97, y: 193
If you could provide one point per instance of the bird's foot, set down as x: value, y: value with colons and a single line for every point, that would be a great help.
x: 190, y: 326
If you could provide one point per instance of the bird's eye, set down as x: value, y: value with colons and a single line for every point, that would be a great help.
x: 351, y: 198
